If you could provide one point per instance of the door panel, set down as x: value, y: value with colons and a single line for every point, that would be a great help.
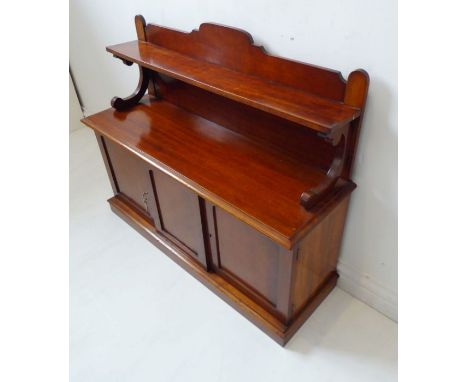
x: 243, y: 254
x: 179, y: 215
x: 130, y: 176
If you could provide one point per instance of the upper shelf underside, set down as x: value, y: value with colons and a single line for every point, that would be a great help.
x: 317, y: 113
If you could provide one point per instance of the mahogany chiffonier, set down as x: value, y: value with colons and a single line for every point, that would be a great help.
x: 237, y: 165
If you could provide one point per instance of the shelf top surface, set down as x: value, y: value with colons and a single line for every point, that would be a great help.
x: 259, y: 184
x: 317, y: 113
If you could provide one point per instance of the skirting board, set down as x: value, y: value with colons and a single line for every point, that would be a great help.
x: 367, y: 290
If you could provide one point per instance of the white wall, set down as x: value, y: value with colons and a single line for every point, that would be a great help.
x: 75, y: 113
x: 339, y: 34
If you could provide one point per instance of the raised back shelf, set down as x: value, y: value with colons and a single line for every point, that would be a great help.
x: 307, y: 109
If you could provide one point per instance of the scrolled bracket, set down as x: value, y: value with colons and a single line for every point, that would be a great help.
x: 130, y: 101
x: 312, y: 196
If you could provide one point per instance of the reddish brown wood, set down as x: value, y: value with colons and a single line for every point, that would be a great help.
x: 196, y: 51
x: 130, y: 101
x: 212, y: 169
x: 179, y: 214
x: 243, y: 303
x: 234, y: 49
x: 107, y: 163
x: 312, y: 196
x: 317, y: 255
x: 140, y: 25
x: 225, y: 168
x: 232, y: 245
x: 292, y: 139
x: 356, y: 95
x: 130, y: 177
x: 239, y: 53
x: 297, y: 106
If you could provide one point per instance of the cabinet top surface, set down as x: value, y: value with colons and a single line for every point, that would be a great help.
x: 257, y: 183
x: 317, y: 113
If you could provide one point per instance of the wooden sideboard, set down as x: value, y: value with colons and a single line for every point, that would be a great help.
x: 237, y: 165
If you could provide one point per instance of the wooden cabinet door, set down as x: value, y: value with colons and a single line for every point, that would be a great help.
x: 130, y: 177
x: 179, y: 215
x: 249, y: 259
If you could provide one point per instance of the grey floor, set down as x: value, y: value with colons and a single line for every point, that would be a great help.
x: 136, y: 316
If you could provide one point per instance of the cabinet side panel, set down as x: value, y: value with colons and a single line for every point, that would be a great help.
x: 318, y: 255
